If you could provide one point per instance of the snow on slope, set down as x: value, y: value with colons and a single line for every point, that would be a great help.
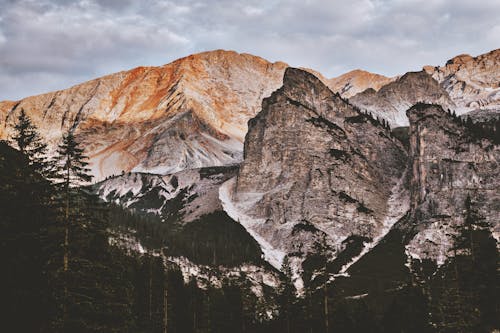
x: 188, y: 193
x: 236, y: 210
x: 398, y: 205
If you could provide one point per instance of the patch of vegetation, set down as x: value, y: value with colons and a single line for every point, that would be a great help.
x: 353, y: 245
x: 322, y: 122
x: 339, y: 154
x: 363, y: 209
x: 217, y: 170
x: 347, y: 198
x: 305, y: 226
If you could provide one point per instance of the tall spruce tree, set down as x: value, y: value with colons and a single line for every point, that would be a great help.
x: 465, y: 290
x: 287, y: 297
x: 72, y: 167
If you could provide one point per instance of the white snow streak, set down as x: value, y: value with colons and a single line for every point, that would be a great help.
x: 397, y: 205
x: 236, y: 211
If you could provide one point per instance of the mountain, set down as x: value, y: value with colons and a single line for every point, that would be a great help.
x: 187, y: 114
x: 356, y: 81
x: 450, y: 162
x: 182, y: 197
x: 393, y: 99
x: 193, y: 112
x: 472, y: 82
x: 315, y: 170
x: 317, y: 218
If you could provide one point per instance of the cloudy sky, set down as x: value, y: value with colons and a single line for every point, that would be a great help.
x: 52, y: 44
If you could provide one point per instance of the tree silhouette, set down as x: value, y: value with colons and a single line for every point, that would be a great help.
x: 29, y: 142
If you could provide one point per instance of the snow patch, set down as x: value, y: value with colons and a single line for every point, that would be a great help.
x: 433, y: 243
x: 236, y: 210
x: 397, y: 205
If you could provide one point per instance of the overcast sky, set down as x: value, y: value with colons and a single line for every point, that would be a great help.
x: 52, y: 44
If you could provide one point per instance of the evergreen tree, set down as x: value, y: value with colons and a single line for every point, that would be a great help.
x: 29, y: 142
x: 287, y: 297
x: 25, y: 218
x: 465, y: 292
x: 72, y: 168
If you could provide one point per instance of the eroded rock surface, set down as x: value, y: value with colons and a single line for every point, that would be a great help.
x: 356, y: 81
x: 190, y: 113
x: 449, y: 163
x: 393, y: 99
x: 472, y: 82
x: 315, y: 169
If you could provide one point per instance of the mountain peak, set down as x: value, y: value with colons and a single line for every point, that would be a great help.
x: 472, y: 82
x: 294, y: 76
x: 460, y: 59
x: 393, y: 99
x: 190, y: 113
x: 356, y: 81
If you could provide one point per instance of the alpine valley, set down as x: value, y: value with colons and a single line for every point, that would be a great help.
x: 240, y: 195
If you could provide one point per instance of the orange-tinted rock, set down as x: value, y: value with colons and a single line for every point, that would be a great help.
x: 190, y: 113
x: 473, y: 83
x: 356, y: 81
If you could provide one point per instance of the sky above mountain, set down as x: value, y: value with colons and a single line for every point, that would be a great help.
x: 51, y: 44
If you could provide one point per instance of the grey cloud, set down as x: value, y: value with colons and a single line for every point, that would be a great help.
x: 51, y: 44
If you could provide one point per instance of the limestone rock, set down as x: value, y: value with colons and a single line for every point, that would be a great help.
x: 314, y: 169
x: 190, y: 113
x: 356, y: 81
x: 393, y: 99
x: 179, y: 198
x: 449, y: 163
x: 472, y: 82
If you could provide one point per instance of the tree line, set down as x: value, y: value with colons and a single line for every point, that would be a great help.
x: 62, y: 275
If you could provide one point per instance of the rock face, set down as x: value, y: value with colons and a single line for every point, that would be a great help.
x: 187, y: 114
x: 472, y: 82
x: 449, y: 162
x: 356, y: 81
x: 393, y: 99
x: 181, y: 197
x: 314, y: 169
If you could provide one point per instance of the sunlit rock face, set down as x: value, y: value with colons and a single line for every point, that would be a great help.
x: 464, y: 84
x: 356, y: 81
x: 448, y: 163
x: 186, y: 114
x: 472, y: 82
x: 314, y: 169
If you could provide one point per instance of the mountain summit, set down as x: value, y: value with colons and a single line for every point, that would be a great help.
x: 189, y: 113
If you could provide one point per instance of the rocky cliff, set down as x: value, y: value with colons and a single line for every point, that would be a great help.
x: 187, y: 114
x: 472, y: 82
x: 450, y: 162
x: 393, y: 99
x: 315, y: 170
x: 356, y: 81
x: 177, y: 198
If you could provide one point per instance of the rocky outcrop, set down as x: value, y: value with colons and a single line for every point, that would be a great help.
x: 472, y: 82
x: 188, y: 114
x: 177, y: 198
x: 449, y: 163
x: 356, y: 81
x: 315, y: 169
x: 393, y: 99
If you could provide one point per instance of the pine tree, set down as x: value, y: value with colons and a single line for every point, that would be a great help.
x: 72, y: 168
x: 466, y: 294
x: 287, y: 296
x: 322, y: 250
x: 29, y: 142
x: 25, y: 217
